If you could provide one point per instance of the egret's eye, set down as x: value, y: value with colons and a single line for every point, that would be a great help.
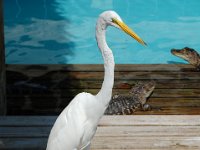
x: 114, y: 20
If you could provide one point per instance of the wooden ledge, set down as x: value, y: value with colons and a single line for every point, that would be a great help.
x: 180, y: 132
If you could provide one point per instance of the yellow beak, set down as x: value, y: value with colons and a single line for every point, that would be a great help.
x: 130, y: 32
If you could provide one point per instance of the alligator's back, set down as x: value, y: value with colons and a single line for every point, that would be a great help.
x: 123, y: 105
x: 129, y: 103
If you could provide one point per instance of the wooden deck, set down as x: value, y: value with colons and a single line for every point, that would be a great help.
x: 47, y: 89
x: 140, y: 132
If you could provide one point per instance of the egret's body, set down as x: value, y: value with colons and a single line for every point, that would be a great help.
x: 76, y: 125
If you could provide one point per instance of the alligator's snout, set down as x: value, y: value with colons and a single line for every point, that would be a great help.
x: 174, y: 51
x: 143, y: 88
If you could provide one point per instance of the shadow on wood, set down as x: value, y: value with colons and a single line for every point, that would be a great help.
x: 114, y: 132
x: 47, y: 89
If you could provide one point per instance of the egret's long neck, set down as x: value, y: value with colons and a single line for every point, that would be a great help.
x: 106, y: 90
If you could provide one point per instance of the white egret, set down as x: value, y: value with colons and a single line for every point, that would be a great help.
x: 77, y: 123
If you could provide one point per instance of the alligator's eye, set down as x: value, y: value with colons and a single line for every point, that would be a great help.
x: 187, y: 52
x: 141, y: 88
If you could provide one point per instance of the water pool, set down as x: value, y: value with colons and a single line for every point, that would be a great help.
x: 63, y: 31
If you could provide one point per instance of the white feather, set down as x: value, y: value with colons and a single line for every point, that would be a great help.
x: 77, y: 123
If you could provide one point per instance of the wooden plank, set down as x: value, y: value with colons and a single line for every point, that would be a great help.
x: 23, y: 143
x: 148, y: 131
x: 130, y: 120
x: 96, y: 84
x: 2, y: 65
x: 26, y: 121
x: 141, y: 149
x: 99, y: 67
x: 171, y: 111
x: 154, y: 101
x: 184, y: 93
x: 174, y: 102
x: 155, y: 111
x: 154, y: 120
x: 25, y: 132
x: 82, y: 75
x: 138, y: 143
x: 146, y: 142
x: 168, y: 101
x: 111, y: 143
x: 125, y: 84
x: 70, y: 93
x: 157, y: 101
x: 135, y: 75
x: 107, y: 131
x: 179, y: 132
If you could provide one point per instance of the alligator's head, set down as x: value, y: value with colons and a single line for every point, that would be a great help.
x: 143, y: 90
x: 188, y: 54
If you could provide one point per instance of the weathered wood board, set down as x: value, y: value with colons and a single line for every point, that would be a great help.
x: 47, y: 89
x: 180, y: 132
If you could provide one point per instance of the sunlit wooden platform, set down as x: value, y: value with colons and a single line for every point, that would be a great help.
x: 47, y: 89
x: 140, y: 132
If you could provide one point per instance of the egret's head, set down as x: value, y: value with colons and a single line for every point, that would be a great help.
x: 113, y: 19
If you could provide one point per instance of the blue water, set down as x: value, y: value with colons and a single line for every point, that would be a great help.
x: 63, y: 31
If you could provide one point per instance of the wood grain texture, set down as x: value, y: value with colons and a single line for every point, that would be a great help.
x: 99, y: 67
x: 47, y: 89
x: 156, y: 132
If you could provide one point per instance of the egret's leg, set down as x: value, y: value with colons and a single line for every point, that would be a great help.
x: 87, y: 147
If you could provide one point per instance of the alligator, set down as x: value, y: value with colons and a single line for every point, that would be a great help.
x: 135, y: 100
x: 189, y: 55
